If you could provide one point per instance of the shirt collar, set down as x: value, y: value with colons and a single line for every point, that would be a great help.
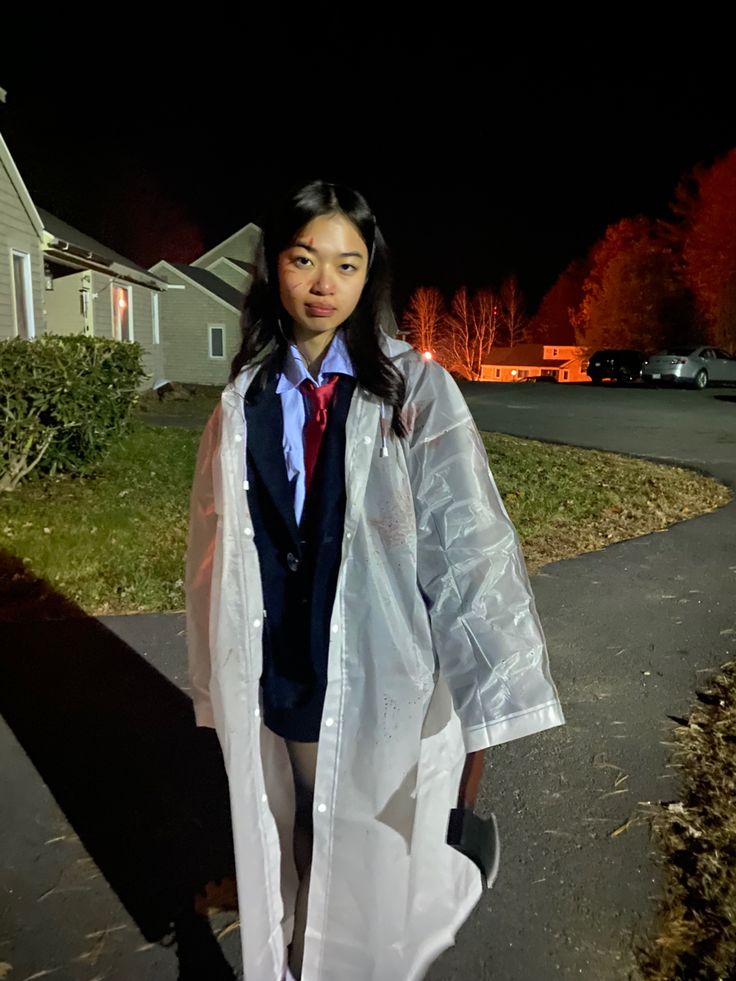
x: 295, y: 371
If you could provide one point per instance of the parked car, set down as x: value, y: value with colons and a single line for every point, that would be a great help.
x: 692, y: 365
x: 617, y: 365
x: 535, y: 379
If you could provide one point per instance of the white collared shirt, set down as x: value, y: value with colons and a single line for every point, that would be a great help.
x: 295, y: 407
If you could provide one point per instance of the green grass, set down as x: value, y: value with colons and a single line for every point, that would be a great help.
x: 115, y: 543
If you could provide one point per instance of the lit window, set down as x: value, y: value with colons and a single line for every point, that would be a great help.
x: 121, y: 314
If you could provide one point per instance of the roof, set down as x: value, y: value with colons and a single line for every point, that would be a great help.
x: 248, y: 267
x: 61, y: 231
x: 525, y: 356
x: 530, y: 363
x: 212, y: 283
x: 204, y: 259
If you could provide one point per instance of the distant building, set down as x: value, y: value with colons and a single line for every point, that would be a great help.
x: 563, y: 362
x: 200, y: 312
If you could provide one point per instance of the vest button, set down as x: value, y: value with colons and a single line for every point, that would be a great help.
x: 292, y: 561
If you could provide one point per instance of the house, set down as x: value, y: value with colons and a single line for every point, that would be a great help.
x: 200, y: 311
x: 58, y: 280
x: 563, y: 362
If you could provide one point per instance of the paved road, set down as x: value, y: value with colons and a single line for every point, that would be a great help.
x: 111, y: 798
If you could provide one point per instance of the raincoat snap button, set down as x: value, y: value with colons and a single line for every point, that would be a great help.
x: 335, y: 628
x: 238, y: 438
x: 367, y: 440
x: 322, y: 808
x: 264, y: 798
x: 249, y: 532
x: 256, y: 623
x: 329, y: 722
x: 292, y: 561
x: 258, y: 713
x: 348, y: 534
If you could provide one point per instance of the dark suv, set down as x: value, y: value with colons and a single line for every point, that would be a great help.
x: 618, y: 366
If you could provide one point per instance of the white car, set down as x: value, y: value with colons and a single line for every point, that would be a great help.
x: 690, y: 365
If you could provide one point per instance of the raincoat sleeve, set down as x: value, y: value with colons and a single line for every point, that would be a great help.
x: 486, y: 633
x: 198, y: 573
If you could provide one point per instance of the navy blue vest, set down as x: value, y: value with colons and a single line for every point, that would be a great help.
x: 299, y: 564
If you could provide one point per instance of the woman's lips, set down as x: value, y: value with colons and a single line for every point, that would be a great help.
x: 315, y: 310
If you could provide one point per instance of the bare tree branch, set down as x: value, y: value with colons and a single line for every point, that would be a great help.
x: 424, y: 317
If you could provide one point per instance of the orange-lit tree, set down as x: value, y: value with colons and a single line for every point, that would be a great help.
x: 633, y: 296
x: 424, y: 319
x: 468, y: 332
x: 705, y: 228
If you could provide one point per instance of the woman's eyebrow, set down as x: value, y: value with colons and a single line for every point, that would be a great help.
x: 310, y: 248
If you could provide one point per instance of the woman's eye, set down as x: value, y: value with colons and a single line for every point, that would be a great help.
x: 348, y: 265
x: 299, y: 259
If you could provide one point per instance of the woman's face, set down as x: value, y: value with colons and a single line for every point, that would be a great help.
x: 322, y: 274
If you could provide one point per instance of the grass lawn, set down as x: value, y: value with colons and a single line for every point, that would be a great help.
x: 115, y: 543
x: 110, y: 544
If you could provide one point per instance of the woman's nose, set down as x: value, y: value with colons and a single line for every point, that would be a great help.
x: 323, y: 284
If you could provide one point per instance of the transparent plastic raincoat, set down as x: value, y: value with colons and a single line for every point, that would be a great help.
x: 436, y: 650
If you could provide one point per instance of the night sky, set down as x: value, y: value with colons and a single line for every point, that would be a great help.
x: 480, y: 158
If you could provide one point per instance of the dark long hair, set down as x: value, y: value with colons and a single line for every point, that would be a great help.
x: 263, y: 313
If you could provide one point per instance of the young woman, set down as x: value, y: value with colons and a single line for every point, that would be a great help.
x: 359, y: 617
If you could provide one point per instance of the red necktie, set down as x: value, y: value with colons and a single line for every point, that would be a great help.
x: 316, y: 424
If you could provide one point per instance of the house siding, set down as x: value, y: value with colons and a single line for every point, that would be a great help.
x: 184, y: 321
x: 17, y: 232
x: 142, y: 320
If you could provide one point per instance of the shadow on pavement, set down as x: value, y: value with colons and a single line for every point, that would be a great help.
x: 116, y: 744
